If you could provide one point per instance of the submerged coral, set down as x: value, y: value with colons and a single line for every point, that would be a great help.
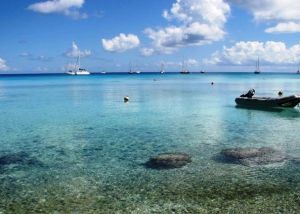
x: 21, y: 158
x: 254, y: 156
x: 168, y: 161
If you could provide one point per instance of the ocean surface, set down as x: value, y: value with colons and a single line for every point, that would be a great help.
x: 69, y: 144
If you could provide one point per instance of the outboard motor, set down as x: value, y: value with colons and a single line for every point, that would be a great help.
x: 249, y: 94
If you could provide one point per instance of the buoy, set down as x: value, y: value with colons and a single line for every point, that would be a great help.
x: 280, y: 93
x: 126, y: 99
x: 212, y: 83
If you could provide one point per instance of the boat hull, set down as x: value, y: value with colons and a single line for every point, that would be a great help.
x: 267, y: 102
x: 83, y: 73
x: 78, y: 73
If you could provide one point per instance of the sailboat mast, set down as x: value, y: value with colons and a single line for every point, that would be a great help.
x: 79, y: 61
x: 130, y: 67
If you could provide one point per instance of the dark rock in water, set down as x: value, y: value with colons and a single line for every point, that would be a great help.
x: 168, y: 161
x: 240, y: 153
x: 295, y: 160
x: 13, y: 158
x: 18, y: 158
x: 254, y: 156
x: 277, y: 157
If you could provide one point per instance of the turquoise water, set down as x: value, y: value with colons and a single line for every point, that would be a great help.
x: 83, y: 149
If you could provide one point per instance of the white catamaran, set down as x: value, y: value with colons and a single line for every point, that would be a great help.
x: 77, y: 69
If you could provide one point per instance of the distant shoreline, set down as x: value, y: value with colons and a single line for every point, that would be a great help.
x: 142, y: 73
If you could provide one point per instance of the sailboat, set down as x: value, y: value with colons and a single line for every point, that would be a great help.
x: 77, y: 69
x: 133, y: 71
x: 257, y: 69
x: 298, y: 72
x: 162, y: 68
x: 184, y: 70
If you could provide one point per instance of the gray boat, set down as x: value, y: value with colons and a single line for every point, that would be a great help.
x: 248, y: 100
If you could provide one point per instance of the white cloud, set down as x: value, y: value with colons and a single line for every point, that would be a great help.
x: 24, y: 54
x: 197, y: 22
x: 75, y: 52
x: 121, y: 43
x: 192, y: 62
x: 288, y: 27
x: 246, y: 53
x: 69, y: 66
x: 41, y: 58
x: 3, y: 66
x: 66, y: 7
x: 284, y: 13
x: 147, y: 51
x: 33, y: 57
x: 203, y: 11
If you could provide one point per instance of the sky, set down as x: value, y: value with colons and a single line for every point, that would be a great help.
x: 47, y: 36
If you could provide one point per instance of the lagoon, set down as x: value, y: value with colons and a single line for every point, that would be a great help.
x: 73, y: 145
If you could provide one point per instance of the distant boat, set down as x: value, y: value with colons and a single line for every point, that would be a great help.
x: 77, y: 69
x: 162, y: 68
x: 257, y: 68
x: 184, y: 70
x: 298, y: 72
x: 133, y: 71
x: 102, y: 72
x: 202, y: 72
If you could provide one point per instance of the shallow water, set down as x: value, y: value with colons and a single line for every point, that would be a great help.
x: 85, y: 148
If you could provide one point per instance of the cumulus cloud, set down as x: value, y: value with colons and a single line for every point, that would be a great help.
x: 66, y: 7
x: 121, y: 43
x: 69, y: 66
x: 284, y: 13
x: 192, y: 62
x: 3, y: 66
x: 203, y: 11
x: 246, y: 53
x: 75, y: 52
x: 285, y: 27
x: 194, y: 22
x: 147, y: 51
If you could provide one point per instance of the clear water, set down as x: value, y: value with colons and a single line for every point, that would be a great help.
x: 89, y: 147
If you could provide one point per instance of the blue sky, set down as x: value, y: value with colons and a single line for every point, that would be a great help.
x: 217, y: 35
